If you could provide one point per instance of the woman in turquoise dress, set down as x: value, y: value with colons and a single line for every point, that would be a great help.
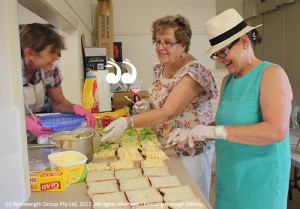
x: 252, y: 132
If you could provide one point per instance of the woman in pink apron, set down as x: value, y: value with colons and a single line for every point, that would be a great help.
x: 40, y: 48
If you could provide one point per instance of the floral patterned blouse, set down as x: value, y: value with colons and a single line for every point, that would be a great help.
x: 198, y: 112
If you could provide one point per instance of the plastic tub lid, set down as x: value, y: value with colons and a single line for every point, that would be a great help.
x: 80, y: 160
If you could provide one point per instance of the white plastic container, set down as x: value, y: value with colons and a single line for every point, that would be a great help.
x: 71, y: 161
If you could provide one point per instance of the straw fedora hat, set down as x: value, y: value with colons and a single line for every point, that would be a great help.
x: 224, y: 29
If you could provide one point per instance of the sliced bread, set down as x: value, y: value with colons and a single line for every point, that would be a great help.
x: 128, y: 173
x: 164, y: 181
x: 101, y: 187
x: 136, y: 183
x: 97, y: 166
x: 121, y: 164
x: 109, y: 200
x: 100, y: 176
x: 152, y: 163
x: 144, y: 196
x: 176, y: 194
x: 159, y: 171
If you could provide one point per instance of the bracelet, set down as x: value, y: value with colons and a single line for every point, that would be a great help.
x: 131, y: 121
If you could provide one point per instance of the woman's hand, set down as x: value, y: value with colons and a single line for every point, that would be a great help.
x: 178, y: 135
x: 35, y: 128
x: 116, y: 129
x: 141, y: 106
x: 91, y: 121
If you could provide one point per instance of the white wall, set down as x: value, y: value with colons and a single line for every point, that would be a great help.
x: 14, y: 177
x: 132, y: 26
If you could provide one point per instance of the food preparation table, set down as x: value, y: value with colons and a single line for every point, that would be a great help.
x: 76, y: 197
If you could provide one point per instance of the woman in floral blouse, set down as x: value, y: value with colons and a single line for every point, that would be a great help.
x: 180, y: 97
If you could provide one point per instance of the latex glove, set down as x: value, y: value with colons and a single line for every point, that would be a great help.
x: 178, y: 135
x: 141, y: 106
x: 91, y: 121
x: 35, y: 128
x: 116, y: 129
x: 201, y: 132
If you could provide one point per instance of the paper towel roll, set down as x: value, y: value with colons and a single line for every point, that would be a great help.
x: 103, y: 90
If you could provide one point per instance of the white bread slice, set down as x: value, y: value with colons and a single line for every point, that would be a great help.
x: 144, y: 196
x: 99, y: 187
x: 130, y: 153
x: 105, y: 154
x: 128, y: 173
x: 156, y: 153
x: 152, y: 163
x: 121, y: 164
x: 136, y: 183
x: 114, y: 200
x: 97, y: 166
x: 156, y: 206
x: 176, y: 194
x: 159, y: 171
x: 188, y: 204
x: 164, y: 181
x: 99, y: 176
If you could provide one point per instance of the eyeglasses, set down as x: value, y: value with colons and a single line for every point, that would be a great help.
x: 224, y: 53
x: 165, y: 44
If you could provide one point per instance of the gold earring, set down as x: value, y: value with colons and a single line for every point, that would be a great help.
x: 181, y: 56
x: 245, y: 47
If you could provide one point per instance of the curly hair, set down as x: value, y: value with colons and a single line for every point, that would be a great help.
x: 183, y: 32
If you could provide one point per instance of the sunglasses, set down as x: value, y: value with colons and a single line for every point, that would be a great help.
x: 224, y: 53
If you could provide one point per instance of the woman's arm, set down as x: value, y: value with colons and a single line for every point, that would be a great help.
x: 59, y: 102
x: 180, y: 97
x: 275, y: 101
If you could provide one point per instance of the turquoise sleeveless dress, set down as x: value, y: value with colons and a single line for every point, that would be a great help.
x: 249, y: 177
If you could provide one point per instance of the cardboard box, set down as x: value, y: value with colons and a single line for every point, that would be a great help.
x: 94, y: 56
x: 49, y: 181
x: 119, y: 100
x: 105, y: 26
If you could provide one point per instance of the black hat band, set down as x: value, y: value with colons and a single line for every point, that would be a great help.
x: 228, y: 34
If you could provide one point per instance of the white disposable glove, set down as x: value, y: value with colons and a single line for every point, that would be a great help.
x: 201, y: 132
x: 141, y: 106
x: 116, y: 129
x: 178, y: 135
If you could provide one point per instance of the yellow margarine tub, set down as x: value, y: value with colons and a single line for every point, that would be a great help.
x: 72, y: 161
